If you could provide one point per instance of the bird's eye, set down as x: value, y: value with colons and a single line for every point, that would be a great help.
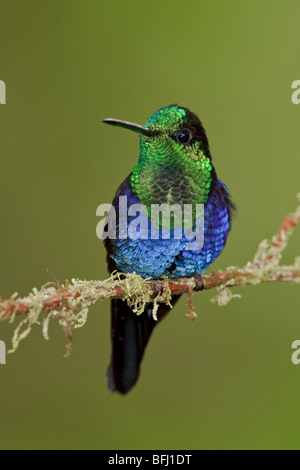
x: 184, y: 136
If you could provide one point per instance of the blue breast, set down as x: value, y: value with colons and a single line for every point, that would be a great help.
x: 172, y: 257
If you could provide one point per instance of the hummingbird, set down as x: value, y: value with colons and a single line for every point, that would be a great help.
x: 174, y: 167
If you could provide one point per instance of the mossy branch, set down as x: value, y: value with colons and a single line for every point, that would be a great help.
x: 69, y: 303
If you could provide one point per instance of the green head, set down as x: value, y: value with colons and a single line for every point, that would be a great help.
x: 174, y: 165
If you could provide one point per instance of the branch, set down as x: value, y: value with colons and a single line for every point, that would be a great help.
x: 70, y: 302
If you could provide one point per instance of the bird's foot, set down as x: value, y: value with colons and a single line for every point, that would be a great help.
x: 199, y: 283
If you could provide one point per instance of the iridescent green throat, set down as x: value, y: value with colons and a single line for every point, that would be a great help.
x: 168, y: 172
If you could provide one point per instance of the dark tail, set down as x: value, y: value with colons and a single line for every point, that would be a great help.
x: 130, y: 334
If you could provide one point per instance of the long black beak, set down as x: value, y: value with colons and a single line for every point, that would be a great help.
x: 131, y: 126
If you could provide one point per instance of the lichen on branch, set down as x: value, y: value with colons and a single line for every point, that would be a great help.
x: 69, y: 303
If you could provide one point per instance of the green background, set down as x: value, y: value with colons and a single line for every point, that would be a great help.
x: 225, y: 381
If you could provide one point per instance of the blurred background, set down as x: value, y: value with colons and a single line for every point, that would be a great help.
x: 226, y: 380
